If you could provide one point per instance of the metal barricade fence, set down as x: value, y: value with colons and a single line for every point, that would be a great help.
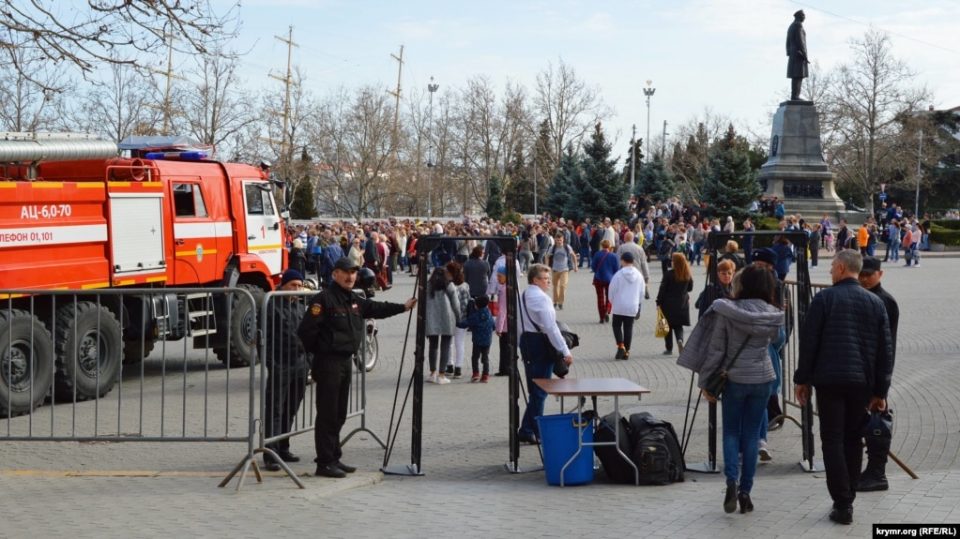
x: 128, y: 365
x: 287, y: 392
x: 791, y: 348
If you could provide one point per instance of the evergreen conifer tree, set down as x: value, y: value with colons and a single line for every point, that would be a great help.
x: 562, y: 197
x: 730, y: 182
x: 654, y: 181
x: 494, y: 206
x: 604, y: 191
x: 303, y: 205
x: 547, y: 163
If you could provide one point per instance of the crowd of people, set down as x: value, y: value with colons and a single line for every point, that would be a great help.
x: 742, y: 326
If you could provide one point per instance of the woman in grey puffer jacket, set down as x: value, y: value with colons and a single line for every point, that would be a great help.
x: 443, y: 313
x: 747, y: 323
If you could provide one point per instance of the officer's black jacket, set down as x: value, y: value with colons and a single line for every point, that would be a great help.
x: 284, y: 350
x: 893, y: 314
x: 333, y: 324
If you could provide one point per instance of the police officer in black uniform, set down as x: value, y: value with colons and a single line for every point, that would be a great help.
x: 333, y: 329
x: 874, y: 477
x: 287, y: 368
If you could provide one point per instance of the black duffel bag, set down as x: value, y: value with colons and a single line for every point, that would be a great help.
x: 617, y: 469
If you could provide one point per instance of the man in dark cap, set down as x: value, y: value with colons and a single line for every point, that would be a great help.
x: 797, y: 52
x: 286, y: 369
x: 333, y: 329
x: 874, y: 477
x: 766, y: 256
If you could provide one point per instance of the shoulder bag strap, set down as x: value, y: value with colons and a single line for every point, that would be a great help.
x: 602, y: 258
x: 735, y: 356
x: 523, y: 300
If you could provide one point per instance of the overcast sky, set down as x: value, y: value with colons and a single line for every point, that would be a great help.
x: 727, y: 56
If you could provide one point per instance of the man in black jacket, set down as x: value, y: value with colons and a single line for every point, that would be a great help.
x: 333, y: 329
x: 287, y: 369
x: 874, y: 476
x: 846, y: 354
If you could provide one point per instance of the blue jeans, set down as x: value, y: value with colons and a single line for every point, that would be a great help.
x: 774, y: 349
x: 893, y: 251
x: 744, y: 407
x: 537, y: 363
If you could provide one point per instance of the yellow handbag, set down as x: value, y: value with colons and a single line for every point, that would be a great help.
x: 663, y: 327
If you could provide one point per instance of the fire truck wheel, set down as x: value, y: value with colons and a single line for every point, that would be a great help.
x: 26, y: 369
x: 89, y: 351
x: 136, y: 351
x: 243, y: 329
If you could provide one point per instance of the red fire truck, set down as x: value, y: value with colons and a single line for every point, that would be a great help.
x: 75, y: 216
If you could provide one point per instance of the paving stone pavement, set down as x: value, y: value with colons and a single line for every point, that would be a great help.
x: 170, y: 489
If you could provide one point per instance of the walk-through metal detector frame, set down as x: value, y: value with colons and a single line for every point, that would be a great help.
x: 715, y: 243
x: 425, y: 245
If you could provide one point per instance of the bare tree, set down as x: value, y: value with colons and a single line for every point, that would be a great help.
x: 22, y: 107
x: 284, y: 147
x: 517, y: 130
x: 116, y: 106
x: 690, y: 159
x: 97, y: 32
x: 450, y: 179
x: 214, y: 108
x: 568, y: 105
x: 867, y: 102
x: 482, y: 134
x: 488, y: 128
x: 353, y: 135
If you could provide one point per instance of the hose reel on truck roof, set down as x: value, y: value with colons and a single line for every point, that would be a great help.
x: 34, y: 148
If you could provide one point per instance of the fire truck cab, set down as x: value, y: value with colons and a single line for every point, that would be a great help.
x: 74, y: 215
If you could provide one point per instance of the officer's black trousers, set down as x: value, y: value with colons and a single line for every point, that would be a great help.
x: 332, y: 376
x: 285, y: 389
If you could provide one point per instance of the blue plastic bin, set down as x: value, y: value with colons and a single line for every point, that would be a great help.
x: 558, y: 436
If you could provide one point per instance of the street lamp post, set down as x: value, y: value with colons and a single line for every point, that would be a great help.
x: 648, y: 91
x: 633, y: 156
x: 432, y: 88
x: 916, y: 205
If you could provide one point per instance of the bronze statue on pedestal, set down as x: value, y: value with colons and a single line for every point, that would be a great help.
x: 797, y: 52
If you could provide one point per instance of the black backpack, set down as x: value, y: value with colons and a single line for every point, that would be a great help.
x: 656, y: 450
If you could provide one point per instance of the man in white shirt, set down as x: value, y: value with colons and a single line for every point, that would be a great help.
x: 540, y: 342
x: 609, y: 233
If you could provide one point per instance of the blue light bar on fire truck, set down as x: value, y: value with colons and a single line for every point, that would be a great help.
x: 193, y: 155
x: 170, y: 148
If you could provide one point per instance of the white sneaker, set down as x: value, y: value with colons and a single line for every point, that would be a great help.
x: 431, y: 379
x: 443, y: 380
x: 765, y: 454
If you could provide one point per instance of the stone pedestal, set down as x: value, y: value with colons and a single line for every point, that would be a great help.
x: 795, y: 172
